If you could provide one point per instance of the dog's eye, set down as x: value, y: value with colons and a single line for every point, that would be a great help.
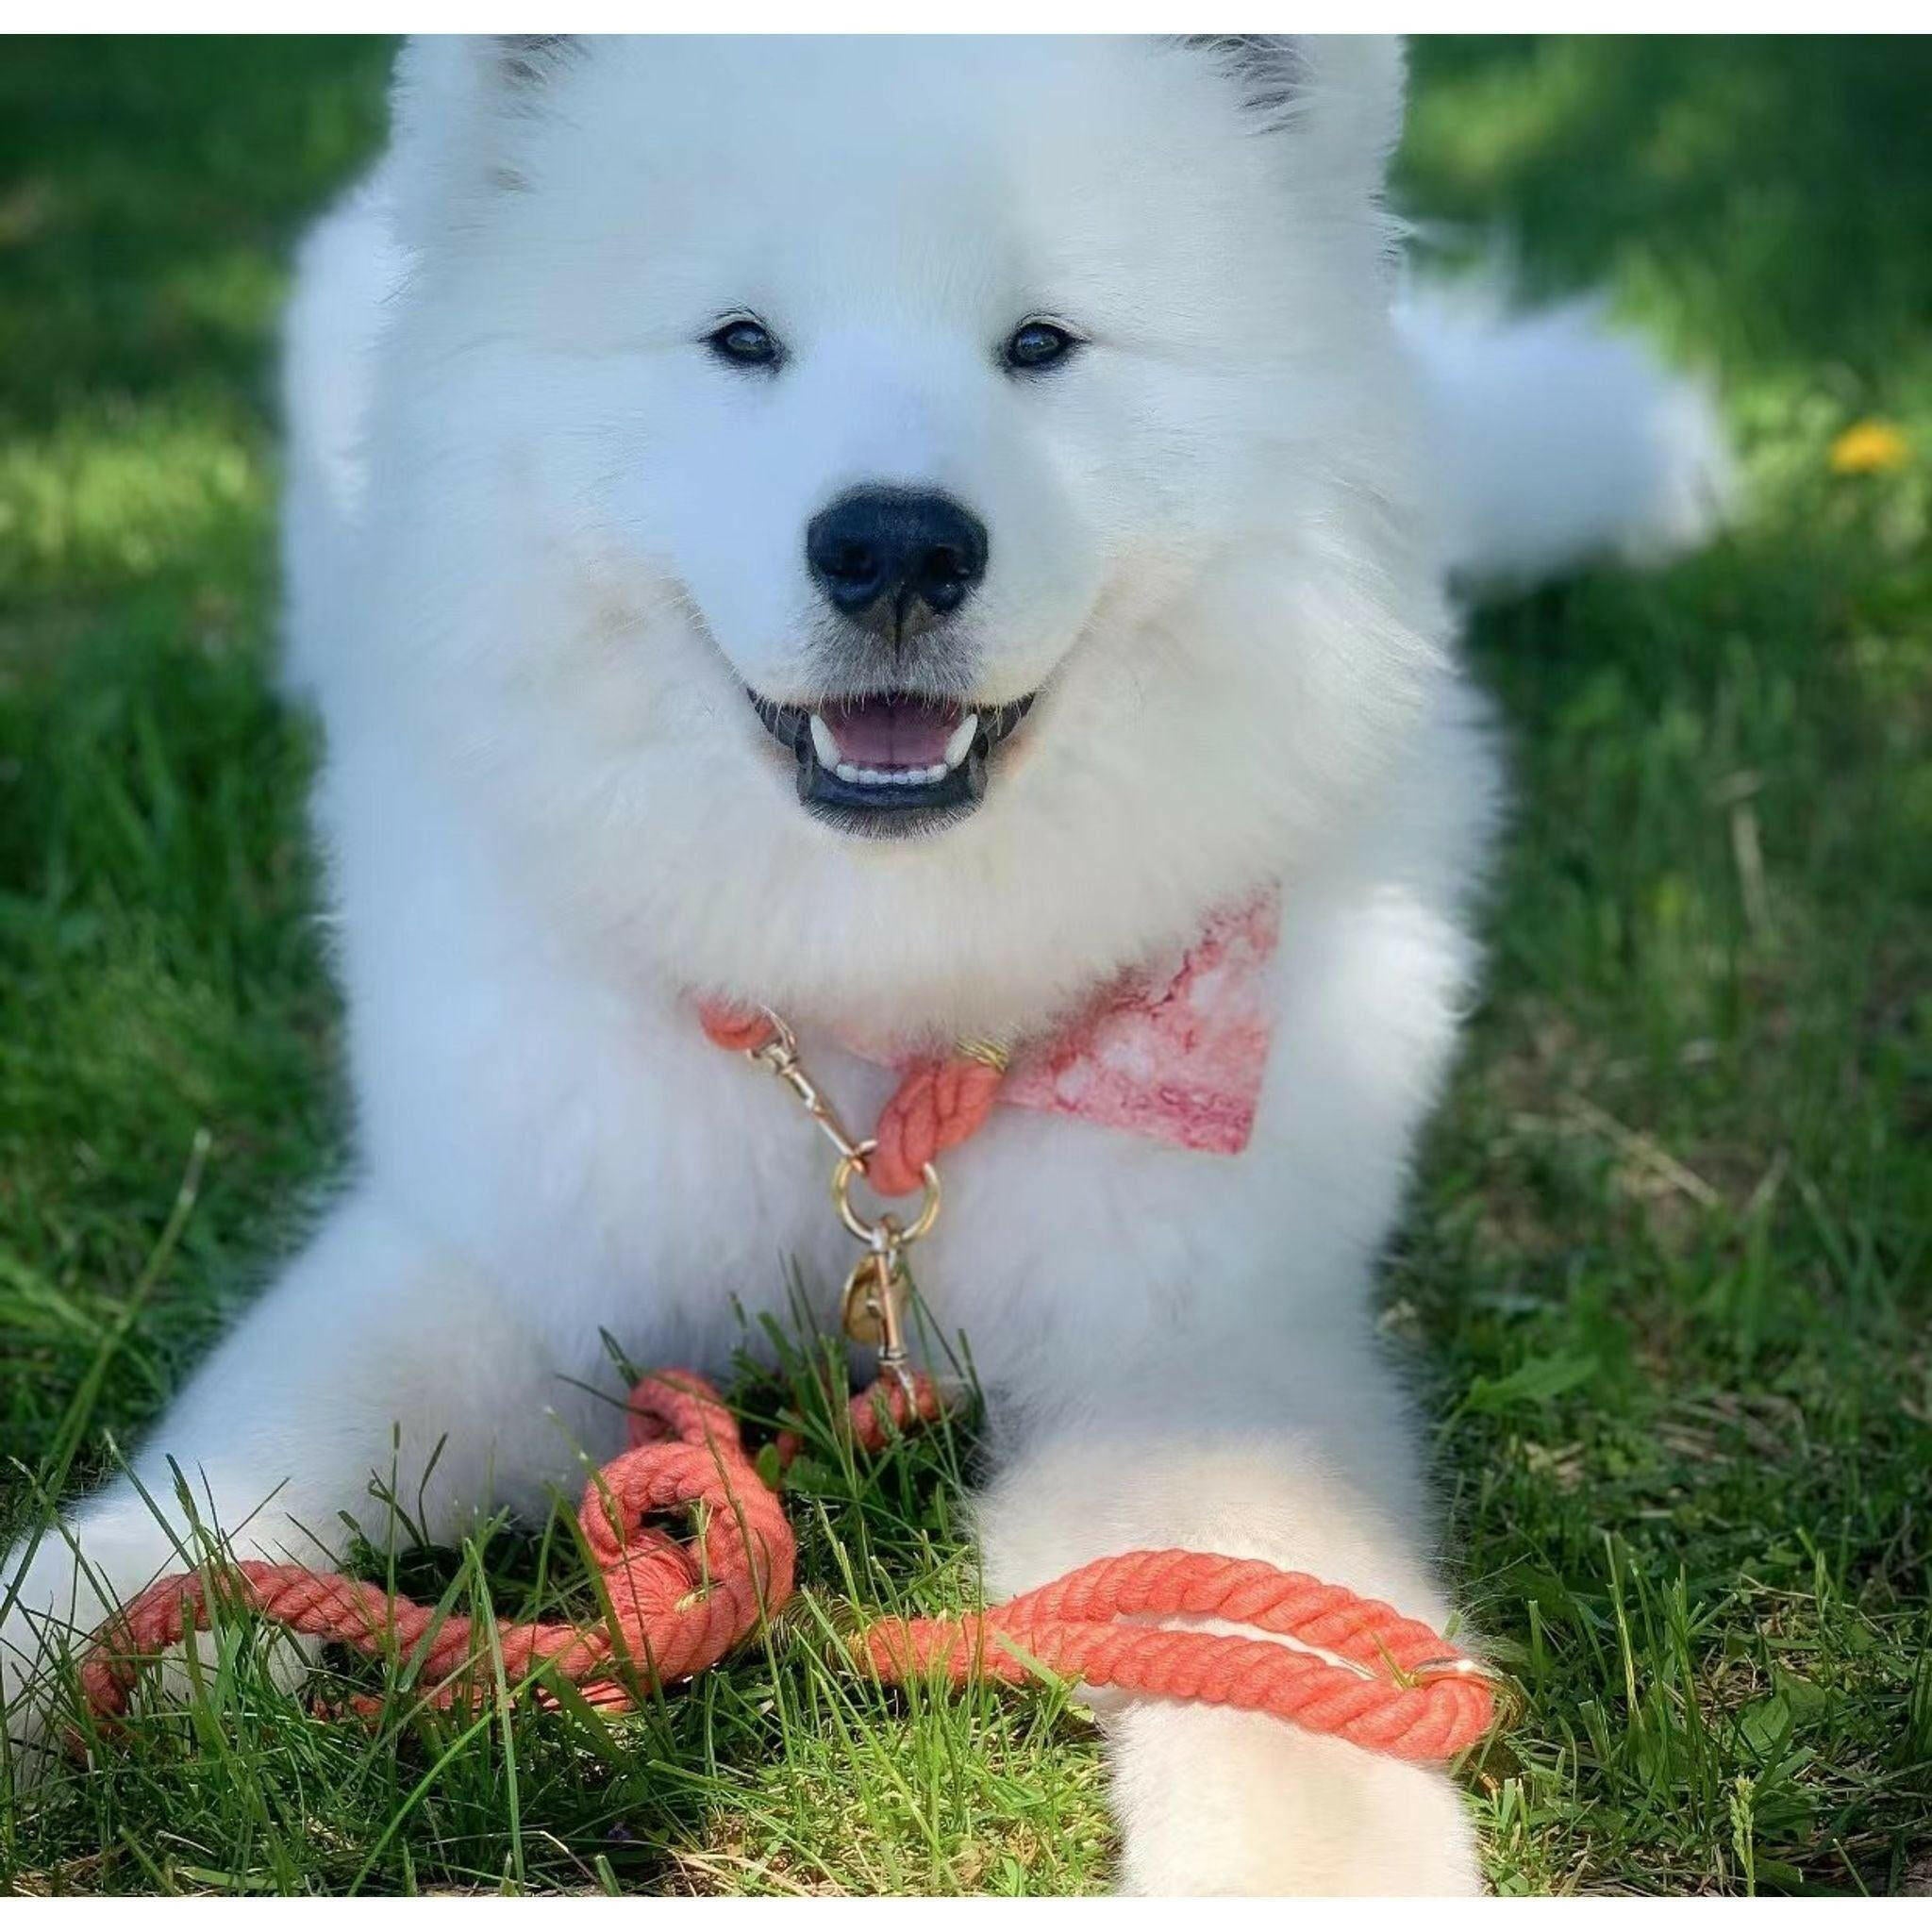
x: 749, y: 344
x: 1038, y: 345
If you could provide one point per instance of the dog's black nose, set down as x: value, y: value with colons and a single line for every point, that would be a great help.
x: 896, y: 560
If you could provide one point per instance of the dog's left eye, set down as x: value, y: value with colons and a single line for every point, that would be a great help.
x: 747, y: 343
x: 1038, y: 345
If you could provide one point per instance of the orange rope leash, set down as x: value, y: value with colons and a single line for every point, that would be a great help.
x: 676, y: 1609
x: 1381, y: 1679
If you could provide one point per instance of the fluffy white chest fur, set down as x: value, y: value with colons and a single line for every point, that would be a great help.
x: 658, y: 400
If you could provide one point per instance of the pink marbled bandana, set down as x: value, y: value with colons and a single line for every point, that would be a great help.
x: 1176, y: 1051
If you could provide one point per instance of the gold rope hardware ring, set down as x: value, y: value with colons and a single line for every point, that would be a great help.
x: 871, y: 1231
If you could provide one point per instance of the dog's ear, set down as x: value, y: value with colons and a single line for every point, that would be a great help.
x: 1337, y: 98
x: 526, y: 60
x: 452, y: 77
x: 462, y: 105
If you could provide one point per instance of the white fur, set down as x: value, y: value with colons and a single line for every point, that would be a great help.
x: 537, y: 542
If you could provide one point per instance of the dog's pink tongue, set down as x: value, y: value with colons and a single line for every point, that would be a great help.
x: 891, y: 734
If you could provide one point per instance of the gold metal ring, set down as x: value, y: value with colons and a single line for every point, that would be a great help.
x: 995, y: 1053
x: 1508, y: 1698
x: 1457, y: 1666
x: 851, y: 1164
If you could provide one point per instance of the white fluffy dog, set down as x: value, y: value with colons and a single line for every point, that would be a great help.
x: 701, y: 452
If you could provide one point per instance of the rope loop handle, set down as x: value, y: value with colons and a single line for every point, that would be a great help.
x: 1368, y: 1673
x: 1396, y: 1687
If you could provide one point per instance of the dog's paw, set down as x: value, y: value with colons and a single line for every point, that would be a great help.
x: 1214, y: 1801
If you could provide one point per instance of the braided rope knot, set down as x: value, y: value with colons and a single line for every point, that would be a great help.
x: 938, y: 1105
x: 1366, y: 1673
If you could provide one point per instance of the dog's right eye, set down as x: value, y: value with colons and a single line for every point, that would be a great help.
x: 745, y: 341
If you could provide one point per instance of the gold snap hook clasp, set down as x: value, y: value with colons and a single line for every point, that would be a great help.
x: 879, y: 1291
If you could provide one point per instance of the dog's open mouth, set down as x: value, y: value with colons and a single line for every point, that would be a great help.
x: 889, y: 762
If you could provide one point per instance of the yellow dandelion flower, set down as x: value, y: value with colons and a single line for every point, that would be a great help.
x: 1869, y: 449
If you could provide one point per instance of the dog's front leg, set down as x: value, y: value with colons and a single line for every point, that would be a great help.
x: 371, y: 1332
x: 1308, y: 1464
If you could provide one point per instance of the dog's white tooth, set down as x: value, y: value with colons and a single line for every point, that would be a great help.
x: 934, y: 773
x: 848, y: 771
x: 825, y: 743
x: 964, y: 732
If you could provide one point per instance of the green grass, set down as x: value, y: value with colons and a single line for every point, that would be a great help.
x: 1664, y: 1283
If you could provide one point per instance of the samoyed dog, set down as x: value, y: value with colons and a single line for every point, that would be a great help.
x: 906, y: 533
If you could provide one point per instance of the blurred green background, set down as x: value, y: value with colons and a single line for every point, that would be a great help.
x: 1665, y: 1278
